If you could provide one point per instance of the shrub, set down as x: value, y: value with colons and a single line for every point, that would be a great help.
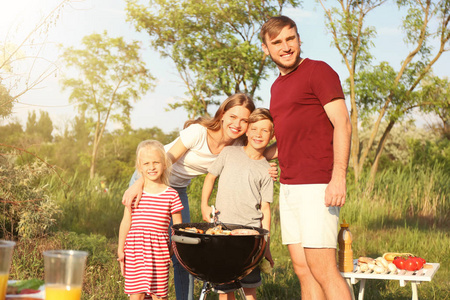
x: 28, y: 211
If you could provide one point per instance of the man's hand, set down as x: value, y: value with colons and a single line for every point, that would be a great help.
x: 335, y: 192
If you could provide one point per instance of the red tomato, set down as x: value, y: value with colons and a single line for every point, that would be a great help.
x: 418, y: 262
x: 410, y: 264
x: 399, y: 262
x: 422, y: 260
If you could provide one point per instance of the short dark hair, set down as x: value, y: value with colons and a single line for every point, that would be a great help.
x: 274, y: 25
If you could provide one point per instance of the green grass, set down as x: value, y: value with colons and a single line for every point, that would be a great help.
x: 406, y: 211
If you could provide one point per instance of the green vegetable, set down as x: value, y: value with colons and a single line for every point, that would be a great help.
x: 32, y: 284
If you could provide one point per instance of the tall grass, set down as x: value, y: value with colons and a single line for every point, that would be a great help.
x: 87, y: 207
x: 406, y: 211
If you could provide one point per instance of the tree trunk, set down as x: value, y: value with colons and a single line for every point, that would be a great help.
x: 381, y: 144
x: 93, y: 158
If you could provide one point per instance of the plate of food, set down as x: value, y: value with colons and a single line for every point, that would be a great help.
x: 31, y: 289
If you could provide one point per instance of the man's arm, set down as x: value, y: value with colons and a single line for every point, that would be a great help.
x: 271, y: 152
x: 336, y: 191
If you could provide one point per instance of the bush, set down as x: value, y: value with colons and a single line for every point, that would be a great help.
x: 28, y: 210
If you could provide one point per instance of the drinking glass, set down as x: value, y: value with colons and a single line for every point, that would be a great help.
x: 63, y: 270
x: 6, y: 251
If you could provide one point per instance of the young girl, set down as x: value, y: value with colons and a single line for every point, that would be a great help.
x: 144, y: 251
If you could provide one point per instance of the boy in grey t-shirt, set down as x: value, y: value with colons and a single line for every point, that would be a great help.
x: 245, y: 190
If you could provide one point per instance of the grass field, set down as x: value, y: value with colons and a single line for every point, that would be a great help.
x: 406, y: 211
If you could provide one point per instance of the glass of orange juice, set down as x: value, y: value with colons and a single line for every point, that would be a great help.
x: 63, y: 271
x: 6, y: 251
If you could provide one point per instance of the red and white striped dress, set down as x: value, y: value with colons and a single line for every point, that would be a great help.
x: 147, y: 256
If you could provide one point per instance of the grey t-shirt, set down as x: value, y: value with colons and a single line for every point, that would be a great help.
x: 243, y: 184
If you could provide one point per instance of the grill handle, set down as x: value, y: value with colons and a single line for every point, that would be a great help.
x: 186, y: 240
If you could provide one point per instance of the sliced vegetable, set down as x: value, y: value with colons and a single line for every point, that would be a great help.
x: 32, y: 284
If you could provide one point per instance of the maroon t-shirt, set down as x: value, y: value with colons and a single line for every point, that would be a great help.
x: 303, y: 131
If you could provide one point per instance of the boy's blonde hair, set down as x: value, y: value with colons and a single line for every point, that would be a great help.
x: 155, y: 145
x: 260, y: 114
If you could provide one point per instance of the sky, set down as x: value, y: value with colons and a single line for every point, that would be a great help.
x: 84, y: 17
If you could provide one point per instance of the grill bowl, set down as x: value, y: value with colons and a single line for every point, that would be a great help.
x: 218, y: 258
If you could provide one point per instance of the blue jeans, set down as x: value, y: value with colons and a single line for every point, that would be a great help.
x: 184, y: 282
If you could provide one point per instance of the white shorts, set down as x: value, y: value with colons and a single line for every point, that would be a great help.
x: 304, y: 217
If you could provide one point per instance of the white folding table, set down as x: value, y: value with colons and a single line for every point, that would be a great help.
x: 403, y: 276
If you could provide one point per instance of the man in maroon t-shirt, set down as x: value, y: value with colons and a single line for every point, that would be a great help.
x: 313, y: 131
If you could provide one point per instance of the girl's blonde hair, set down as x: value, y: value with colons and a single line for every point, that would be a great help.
x: 155, y: 145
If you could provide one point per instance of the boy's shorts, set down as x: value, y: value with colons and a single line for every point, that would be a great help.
x: 304, y: 217
x: 252, y: 280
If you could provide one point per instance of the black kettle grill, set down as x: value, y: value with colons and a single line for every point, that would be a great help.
x: 218, y: 259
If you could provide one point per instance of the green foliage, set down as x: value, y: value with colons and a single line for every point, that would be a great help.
x: 41, y: 128
x: 10, y: 133
x: 100, y: 252
x: 428, y: 153
x: 6, y: 101
x: 111, y: 73
x: 350, y: 35
x: 213, y: 44
x: 28, y: 210
x: 37, y: 222
x: 87, y: 207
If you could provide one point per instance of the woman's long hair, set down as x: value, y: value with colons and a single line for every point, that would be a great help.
x: 154, y: 145
x: 215, y: 124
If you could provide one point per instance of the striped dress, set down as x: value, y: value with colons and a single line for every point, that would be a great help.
x: 147, y: 256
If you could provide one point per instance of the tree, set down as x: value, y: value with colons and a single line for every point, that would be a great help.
x: 437, y: 92
x: 41, y: 129
x: 18, y: 61
x: 214, y: 44
x: 6, y: 102
x: 45, y: 126
x: 9, y: 133
x: 110, y: 74
x: 390, y: 94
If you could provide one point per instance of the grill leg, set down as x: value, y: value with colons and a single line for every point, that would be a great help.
x: 241, y: 293
x: 205, y: 290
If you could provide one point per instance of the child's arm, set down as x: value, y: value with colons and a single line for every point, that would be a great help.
x: 176, y: 219
x: 208, y: 186
x: 265, y: 209
x: 123, y: 231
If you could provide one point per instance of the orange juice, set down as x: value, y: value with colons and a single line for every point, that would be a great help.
x: 3, y: 285
x: 59, y: 292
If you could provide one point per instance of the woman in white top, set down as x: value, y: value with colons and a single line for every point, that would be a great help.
x: 192, y: 153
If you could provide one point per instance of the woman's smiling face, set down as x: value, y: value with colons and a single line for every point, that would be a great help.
x: 235, y: 121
